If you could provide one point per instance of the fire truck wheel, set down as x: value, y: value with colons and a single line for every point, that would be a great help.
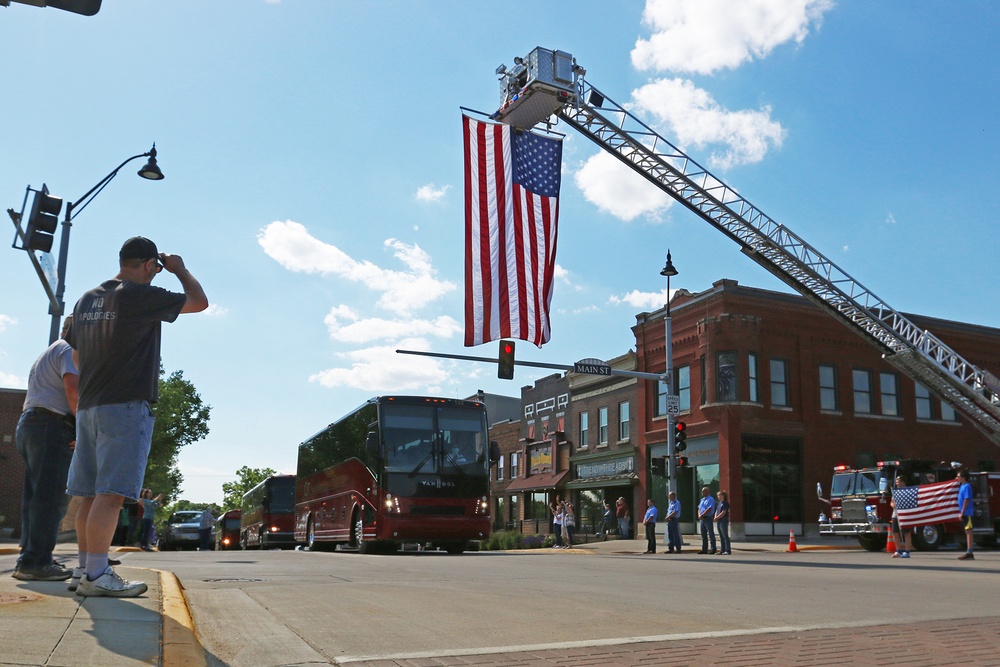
x: 928, y: 538
x: 872, y: 542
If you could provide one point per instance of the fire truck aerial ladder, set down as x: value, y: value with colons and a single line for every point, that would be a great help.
x: 549, y: 83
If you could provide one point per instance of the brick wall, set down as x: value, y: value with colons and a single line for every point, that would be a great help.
x: 11, y: 465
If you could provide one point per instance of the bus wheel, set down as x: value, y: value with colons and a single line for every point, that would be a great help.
x: 928, y: 538
x: 311, y: 535
x: 358, y: 536
x: 872, y: 542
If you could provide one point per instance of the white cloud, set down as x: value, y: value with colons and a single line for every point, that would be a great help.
x: 291, y: 245
x: 616, y: 189
x: 378, y: 369
x: 6, y: 321
x: 890, y: 219
x: 644, y: 300
x: 12, y: 381
x: 697, y: 120
x: 216, y: 310
x: 430, y: 193
x: 346, y: 326
x: 705, y: 36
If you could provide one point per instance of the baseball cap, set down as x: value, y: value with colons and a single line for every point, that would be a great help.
x: 138, y: 247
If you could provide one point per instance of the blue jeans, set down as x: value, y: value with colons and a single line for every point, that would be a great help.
x: 623, y: 528
x: 707, y: 532
x: 724, y: 544
x: 43, y: 441
x: 674, y: 535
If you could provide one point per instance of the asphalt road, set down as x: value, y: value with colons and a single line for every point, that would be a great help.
x: 296, y: 607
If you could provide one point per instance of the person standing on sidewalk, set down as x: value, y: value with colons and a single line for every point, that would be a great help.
x: 905, y: 543
x: 205, y: 530
x: 621, y: 511
x: 706, y: 512
x: 45, y: 436
x: 149, y: 506
x: 673, y: 523
x: 116, y: 335
x: 722, y: 523
x: 966, y: 509
x: 649, y: 521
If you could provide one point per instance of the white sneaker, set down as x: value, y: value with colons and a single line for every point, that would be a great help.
x: 74, y: 582
x: 111, y: 585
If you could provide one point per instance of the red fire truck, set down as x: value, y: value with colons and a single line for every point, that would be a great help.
x: 859, y: 504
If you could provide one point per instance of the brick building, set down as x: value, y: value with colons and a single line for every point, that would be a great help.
x: 11, y: 464
x: 775, y: 393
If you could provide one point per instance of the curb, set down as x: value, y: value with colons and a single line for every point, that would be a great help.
x: 180, y: 644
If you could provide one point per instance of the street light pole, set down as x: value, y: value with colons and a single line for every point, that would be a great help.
x: 668, y: 271
x: 150, y: 172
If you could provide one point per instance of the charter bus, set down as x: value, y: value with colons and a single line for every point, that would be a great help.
x: 397, y: 470
x: 268, y: 514
x: 227, y: 531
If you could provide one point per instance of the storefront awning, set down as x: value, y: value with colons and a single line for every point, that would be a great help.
x: 539, y: 481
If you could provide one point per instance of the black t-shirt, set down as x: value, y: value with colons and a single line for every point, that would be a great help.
x: 116, y: 333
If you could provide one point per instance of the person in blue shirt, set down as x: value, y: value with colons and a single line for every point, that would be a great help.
x: 649, y: 521
x: 706, y: 515
x: 966, y: 510
x: 673, y: 524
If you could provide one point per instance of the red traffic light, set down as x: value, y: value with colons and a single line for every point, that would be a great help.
x: 680, y: 427
x: 505, y: 360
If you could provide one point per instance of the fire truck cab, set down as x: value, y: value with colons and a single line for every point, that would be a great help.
x: 860, y: 504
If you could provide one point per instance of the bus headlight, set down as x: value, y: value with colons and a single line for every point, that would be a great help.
x: 391, y: 504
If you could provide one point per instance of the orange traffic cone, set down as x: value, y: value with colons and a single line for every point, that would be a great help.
x: 890, y: 544
x: 791, y: 542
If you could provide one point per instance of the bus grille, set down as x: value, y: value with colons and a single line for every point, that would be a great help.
x: 437, y: 510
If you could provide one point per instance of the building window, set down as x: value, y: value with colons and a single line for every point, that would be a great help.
x: 660, y: 409
x: 500, y: 469
x: 754, y: 382
x: 623, y: 421
x: 514, y: 516
x: 948, y: 413
x: 862, y: 391
x: 537, y: 506
x: 704, y: 387
x: 889, y: 393
x: 684, y: 387
x: 828, y: 388
x: 602, y: 426
x: 779, y: 382
x: 725, y: 377
x: 923, y: 402
x: 514, y: 465
x: 584, y: 429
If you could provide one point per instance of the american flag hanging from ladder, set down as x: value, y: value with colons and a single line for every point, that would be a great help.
x: 511, y: 225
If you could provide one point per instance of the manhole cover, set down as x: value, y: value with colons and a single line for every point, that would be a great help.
x: 239, y: 579
x: 11, y: 598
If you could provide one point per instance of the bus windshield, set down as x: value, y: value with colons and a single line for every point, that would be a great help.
x: 434, y: 451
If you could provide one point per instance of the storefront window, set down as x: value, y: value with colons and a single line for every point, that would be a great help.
x: 772, y: 480
x: 538, y: 506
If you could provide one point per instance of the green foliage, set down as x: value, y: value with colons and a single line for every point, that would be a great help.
x: 181, y: 418
x: 247, y: 479
x: 508, y: 540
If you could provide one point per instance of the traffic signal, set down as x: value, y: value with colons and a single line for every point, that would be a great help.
x: 658, y: 465
x: 682, y: 462
x: 42, y: 221
x: 505, y: 360
x: 680, y: 436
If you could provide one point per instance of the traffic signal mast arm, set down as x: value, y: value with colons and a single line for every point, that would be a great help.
x: 909, y: 348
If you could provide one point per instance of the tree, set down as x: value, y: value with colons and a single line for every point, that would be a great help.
x: 247, y: 479
x: 181, y: 418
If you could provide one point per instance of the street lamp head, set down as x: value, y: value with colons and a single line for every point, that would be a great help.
x: 151, y: 170
x: 668, y: 269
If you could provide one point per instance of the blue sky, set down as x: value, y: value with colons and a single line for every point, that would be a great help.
x: 313, y: 162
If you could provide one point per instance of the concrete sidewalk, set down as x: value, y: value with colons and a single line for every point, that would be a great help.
x: 44, y: 623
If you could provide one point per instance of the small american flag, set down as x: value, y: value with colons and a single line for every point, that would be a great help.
x: 511, y: 212
x: 927, y: 504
